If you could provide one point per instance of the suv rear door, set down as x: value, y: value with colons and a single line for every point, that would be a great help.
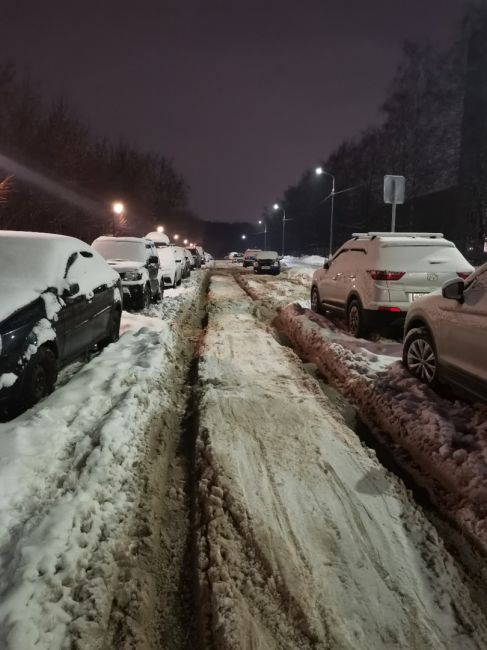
x: 332, y: 281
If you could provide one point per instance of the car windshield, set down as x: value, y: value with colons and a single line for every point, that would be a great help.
x: 28, y: 260
x: 119, y: 249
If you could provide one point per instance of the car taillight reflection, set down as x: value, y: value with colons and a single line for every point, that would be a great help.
x: 464, y: 274
x: 390, y: 276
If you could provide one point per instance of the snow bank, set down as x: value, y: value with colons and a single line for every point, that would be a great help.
x: 447, y: 442
x: 69, y: 475
x: 304, y: 540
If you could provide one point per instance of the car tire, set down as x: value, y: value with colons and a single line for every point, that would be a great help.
x: 420, y: 357
x: 113, y: 333
x: 315, y: 301
x: 356, y: 320
x: 160, y: 292
x: 39, y: 378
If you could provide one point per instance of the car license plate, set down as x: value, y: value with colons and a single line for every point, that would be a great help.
x: 266, y: 268
x: 417, y: 296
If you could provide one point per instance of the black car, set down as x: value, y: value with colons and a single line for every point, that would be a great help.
x: 267, y: 262
x: 59, y: 298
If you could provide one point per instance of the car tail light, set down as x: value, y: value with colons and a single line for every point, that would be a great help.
x: 394, y: 310
x: 464, y: 274
x: 391, y: 276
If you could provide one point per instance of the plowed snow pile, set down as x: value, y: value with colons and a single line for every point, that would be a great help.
x: 447, y: 441
x: 304, y: 540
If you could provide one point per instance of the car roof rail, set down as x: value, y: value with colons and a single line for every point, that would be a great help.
x: 430, y: 235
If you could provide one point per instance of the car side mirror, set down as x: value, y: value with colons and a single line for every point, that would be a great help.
x: 453, y: 290
x: 72, y: 290
x: 326, y: 265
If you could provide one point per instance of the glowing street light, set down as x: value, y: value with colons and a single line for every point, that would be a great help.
x: 118, y: 209
x: 276, y: 206
x: 244, y: 236
x: 160, y: 228
x: 176, y: 237
x: 319, y: 171
x: 185, y: 241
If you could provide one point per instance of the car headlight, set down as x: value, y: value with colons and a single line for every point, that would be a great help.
x: 276, y: 263
x: 131, y: 276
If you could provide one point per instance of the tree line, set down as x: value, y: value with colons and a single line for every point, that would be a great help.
x: 422, y: 135
x: 64, y: 179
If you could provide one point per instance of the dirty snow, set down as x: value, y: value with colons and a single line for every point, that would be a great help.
x: 304, y: 539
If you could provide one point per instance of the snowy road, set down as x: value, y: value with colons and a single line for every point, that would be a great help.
x: 304, y: 539
x: 193, y: 486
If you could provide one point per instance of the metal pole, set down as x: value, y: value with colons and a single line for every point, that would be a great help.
x: 283, y: 228
x: 332, y: 215
x: 113, y: 224
x: 265, y: 235
x: 393, y: 226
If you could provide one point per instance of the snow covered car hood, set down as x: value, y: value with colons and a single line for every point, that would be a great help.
x: 121, y: 266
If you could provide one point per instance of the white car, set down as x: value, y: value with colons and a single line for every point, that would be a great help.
x: 249, y: 256
x: 135, y: 260
x: 171, y: 268
x: 181, y: 262
x: 446, y: 335
x: 374, y: 278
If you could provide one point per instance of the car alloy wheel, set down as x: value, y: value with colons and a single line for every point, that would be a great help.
x: 315, y: 300
x: 354, y: 318
x: 421, y: 360
x: 147, y: 298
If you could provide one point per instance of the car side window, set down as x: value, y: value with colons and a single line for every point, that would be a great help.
x: 476, y: 291
x: 340, y: 261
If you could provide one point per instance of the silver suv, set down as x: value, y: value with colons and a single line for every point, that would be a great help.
x: 446, y: 336
x: 375, y: 277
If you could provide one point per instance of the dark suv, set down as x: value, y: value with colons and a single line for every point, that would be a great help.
x: 59, y: 299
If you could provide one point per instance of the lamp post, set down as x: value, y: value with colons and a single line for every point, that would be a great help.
x: 160, y: 228
x: 176, y: 237
x: 276, y: 206
x: 244, y: 236
x: 263, y: 221
x: 319, y: 172
x: 118, y: 209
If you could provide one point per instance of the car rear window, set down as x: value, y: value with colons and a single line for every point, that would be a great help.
x: 421, y: 257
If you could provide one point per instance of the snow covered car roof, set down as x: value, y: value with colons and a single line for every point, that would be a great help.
x: 266, y: 255
x: 32, y: 262
x: 159, y: 237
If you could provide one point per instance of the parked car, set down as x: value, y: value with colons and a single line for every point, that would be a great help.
x: 180, y: 261
x: 267, y: 262
x: 158, y: 238
x: 374, y: 278
x: 446, y: 336
x: 196, y: 257
x: 249, y: 256
x: 209, y: 261
x: 59, y: 299
x: 136, y: 261
x: 188, y: 263
x: 171, y: 268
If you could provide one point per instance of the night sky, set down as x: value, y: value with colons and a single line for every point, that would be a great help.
x: 243, y: 95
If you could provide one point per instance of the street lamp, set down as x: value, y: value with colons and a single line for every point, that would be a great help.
x: 160, y: 228
x: 276, y: 206
x: 319, y: 171
x: 185, y: 241
x: 263, y: 221
x: 244, y: 236
x: 176, y: 237
x: 118, y: 209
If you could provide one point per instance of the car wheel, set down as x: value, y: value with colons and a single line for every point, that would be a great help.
x: 113, y: 333
x: 315, y: 301
x: 39, y: 378
x: 419, y: 356
x: 356, y: 320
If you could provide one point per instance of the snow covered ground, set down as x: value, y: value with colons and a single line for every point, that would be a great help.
x: 445, y: 439
x: 70, y: 470
x: 304, y: 539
